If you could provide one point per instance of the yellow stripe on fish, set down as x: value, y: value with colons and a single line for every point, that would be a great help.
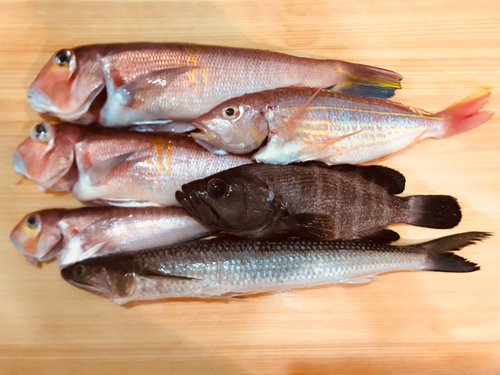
x: 360, y: 111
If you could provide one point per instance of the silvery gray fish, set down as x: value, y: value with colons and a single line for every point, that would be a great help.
x: 312, y: 200
x: 228, y: 267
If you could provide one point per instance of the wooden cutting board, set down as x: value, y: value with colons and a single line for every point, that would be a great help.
x: 404, y: 322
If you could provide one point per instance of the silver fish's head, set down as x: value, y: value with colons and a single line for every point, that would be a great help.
x: 233, y: 127
x: 37, y: 236
x: 68, y: 84
x: 232, y: 202
x: 47, y: 156
x: 103, y: 276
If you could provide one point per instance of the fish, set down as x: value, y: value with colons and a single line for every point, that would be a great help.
x: 312, y: 200
x: 231, y: 267
x: 71, y: 235
x: 102, y: 166
x: 167, y: 85
x: 289, y: 125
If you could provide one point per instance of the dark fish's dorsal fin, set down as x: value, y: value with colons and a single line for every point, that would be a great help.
x: 382, y: 236
x: 390, y: 179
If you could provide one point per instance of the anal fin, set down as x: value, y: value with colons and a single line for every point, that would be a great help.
x: 382, y: 236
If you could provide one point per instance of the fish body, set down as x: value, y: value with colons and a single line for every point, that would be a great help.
x: 302, y: 124
x: 311, y: 200
x: 227, y: 267
x: 106, y: 166
x: 74, y: 235
x: 148, y: 83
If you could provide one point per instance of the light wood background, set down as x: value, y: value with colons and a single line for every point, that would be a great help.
x: 406, y: 322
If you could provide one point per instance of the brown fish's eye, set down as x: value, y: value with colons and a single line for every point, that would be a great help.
x: 231, y: 112
x: 32, y: 221
x: 216, y: 188
x: 63, y: 57
x: 41, y: 132
x: 78, y: 270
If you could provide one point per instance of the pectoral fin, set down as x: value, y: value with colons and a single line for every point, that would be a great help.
x: 318, y: 227
x: 99, y: 171
x: 153, y: 273
x: 131, y: 93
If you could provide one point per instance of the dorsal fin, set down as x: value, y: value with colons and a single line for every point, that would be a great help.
x: 391, y: 180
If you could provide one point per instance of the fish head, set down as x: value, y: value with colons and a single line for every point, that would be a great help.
x: 102, y: 276
x: 47, y: 155
x: 68, y: 84
x: 38, y: 236
x: 235, y: 126
x: 236, y: 204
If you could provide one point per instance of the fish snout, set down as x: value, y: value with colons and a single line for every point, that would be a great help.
x: 19, y: 164
x: 39, y: 101
x: 30, y: 258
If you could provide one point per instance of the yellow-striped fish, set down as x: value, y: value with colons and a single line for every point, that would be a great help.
x: 303, y: 124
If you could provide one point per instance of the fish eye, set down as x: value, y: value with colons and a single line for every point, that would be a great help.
x: 32, y: 221
x: 63, y: 57
x: 231, y: 112
x: 78, y: 270
x: 41, y: 132
x: 217, y: 188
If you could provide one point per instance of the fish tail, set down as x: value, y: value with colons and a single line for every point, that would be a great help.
x: 466, y: 114
x: 364, y: 80
x: 432, y: 211
x: 441, y: 258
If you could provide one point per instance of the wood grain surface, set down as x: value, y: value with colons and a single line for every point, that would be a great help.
x: 404, y: 322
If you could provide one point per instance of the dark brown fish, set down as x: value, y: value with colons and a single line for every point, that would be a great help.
x: 312, y: 200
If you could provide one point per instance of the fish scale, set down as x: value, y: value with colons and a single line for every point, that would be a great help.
x: 227, y: 266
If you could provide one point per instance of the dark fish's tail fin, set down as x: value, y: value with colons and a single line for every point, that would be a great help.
x: 441, y: 258
x: 369, y: 81
x: 432, y: 211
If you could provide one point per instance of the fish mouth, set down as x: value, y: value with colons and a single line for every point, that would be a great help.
x: 42, y: 103
x: 66, y: 275
x: 196, y: 206
x: 30, y: 258
x: 19, y: 164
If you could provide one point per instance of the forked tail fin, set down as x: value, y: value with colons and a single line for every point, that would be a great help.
x: 365, y: 80
x: 441, y: 258
x: 466, y: 114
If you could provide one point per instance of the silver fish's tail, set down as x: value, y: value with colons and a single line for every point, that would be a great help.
x: 432, y: 211
x: 440, y: 256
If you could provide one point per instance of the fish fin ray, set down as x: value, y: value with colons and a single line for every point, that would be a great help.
x: 99, y: 171
x: 368, y: 81
x: 289, y: 128
x: 440, y: 256
x: 313, y: 226
x: 158, y: 273
x: 320, y: 150
x: 466, y: 114
x: 433, y: 211
x: 358, y: 279
x: 388, y: 178
x: 381, y: 236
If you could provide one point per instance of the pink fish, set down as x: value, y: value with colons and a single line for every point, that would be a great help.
x: 109, y: 167
x: 74, y: 235
x: 173, y: 83
x: 311, y: 124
